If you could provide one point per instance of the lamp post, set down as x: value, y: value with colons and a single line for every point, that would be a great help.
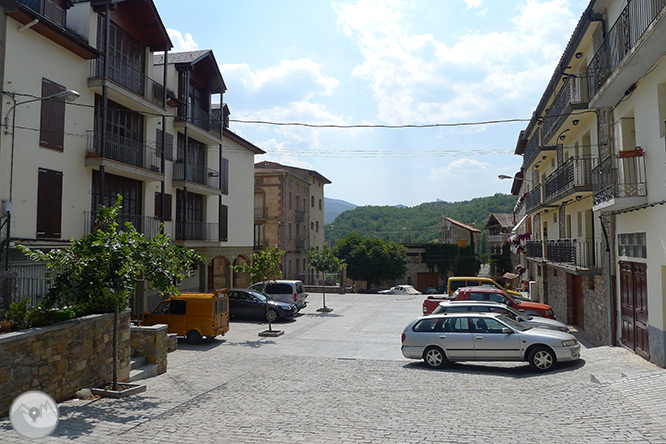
x: 63, y: 96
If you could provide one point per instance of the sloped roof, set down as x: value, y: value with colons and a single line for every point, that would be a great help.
x: 228, y: 134
x: 276, y: 166
x: 182, y: 57
x: 462, y: 225
x: 505, y: 220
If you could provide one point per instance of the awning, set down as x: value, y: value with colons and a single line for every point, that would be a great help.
x: 510, y: 276
x: 519, y: 224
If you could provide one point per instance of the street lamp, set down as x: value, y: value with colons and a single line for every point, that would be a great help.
x: 63, y: 96
x: 504, y: 176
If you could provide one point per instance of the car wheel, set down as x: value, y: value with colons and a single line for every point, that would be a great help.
x: 541, y: 359
x: 271, y: 315
x: 435, y: 357
x: 194, y: 337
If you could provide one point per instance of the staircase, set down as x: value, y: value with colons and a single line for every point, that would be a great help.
x: 139, y: 369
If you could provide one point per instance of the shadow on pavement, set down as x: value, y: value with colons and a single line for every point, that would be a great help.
x: 207, y: 344
x: 514, y: 371
x: 330, y: 314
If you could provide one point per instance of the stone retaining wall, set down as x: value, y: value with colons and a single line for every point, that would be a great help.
x: 59, y: 359
x: 151, y: 342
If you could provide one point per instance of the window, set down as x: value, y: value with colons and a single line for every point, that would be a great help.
x: 478, y: 297
x: 224, y: 176
x: 168, y: 152
x: 632, y: 245
x: 130, y: 189
x: 52, y: 118
x: 317, y: 226
x: 455, y: 325
x: 312, y: 201
x: 259, y: 235
x: 496, y: 297
x: 178, y: 307
x: 167, y: 205
x: 290, y: 200
x: 49, y: 203
x: 425, y: 325
x: 224, y: 223
x: 311, y: 225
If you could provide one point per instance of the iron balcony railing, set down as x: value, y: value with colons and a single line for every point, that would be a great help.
x: 574, y: 174
x: 625, y: 33
x: 533, y: 198
x: 200, y: 118
x: 197, y: 230
x: 574, y: 94
x: 619, y: 177
x: 122, y: 149
x: 196, y: 173
x: 532, y: 149
x: 149, y: 226
x: 580, y: 253
x: 129, y: 78
x: 534, y: 249
x: 48, y: 8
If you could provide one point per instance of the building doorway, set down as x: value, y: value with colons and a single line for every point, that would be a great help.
x: 634, y: 309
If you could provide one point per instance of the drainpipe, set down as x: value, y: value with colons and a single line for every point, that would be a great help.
x: 164, y: 138
x: 609, y: 285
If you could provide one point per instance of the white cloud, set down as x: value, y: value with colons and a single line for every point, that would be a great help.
x: 180, y: 42
x: 415, y: 78
x: 473, y: 3
x: 463, y: 167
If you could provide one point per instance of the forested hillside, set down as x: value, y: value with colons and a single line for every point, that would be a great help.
x: 421, y: 223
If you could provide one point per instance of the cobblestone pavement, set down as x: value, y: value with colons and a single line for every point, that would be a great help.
x: 340, y: 378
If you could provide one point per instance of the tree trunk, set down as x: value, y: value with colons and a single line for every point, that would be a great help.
x: 115, y: 348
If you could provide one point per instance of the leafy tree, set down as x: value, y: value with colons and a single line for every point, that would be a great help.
x: 264, y: 266
x: 372, y: 259
x: 99, y: 272
x: 468, y: 263
x: 324, y: 261
x: 441, y: 257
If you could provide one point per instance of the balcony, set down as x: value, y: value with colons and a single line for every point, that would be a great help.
x: 149, y: 226
x: 197, y: 178
x: 632, y: 46
x: 50, y: 9
x: 300, y: 215
x: 497, y: 238
x: 123, y: 156
x: 534, y: 249
x: 207, y: 128
x: 574, y: 253
x: 197, y: 231
x: 534, y: 147
x: 574, y: 176
x: 533, y: 199
x: 619, y: 183
x: 127, y: 86
x: 573, y: 95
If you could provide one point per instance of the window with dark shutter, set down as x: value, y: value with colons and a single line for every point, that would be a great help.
x: 168, y: 148
x: 167, y: 205
x: 224, y: 223
x: 52, y: 118
x: 224, y: 176
x: 49, y: 204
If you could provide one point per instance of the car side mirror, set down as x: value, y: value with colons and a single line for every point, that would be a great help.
x: 530, y: 317
x: 507, y: 331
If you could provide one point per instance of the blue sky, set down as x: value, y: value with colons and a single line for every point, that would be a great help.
x: 383, y: 62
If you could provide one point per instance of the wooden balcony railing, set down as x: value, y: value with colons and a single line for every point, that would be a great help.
x: 625, y: 33
x: 50, y: 9
x: 618, y: 177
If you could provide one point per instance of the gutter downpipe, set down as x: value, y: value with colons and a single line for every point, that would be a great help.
x: 609, y: 286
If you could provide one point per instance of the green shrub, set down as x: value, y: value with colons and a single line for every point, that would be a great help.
x: 21, y: 315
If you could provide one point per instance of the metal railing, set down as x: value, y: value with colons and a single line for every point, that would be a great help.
x: 129, y: 78
x: 533, y: 198
x: 149, y: 226
x: 200, y: 118
x: 123, y: 149
x: 533, y: 148
x: 534, y: 249
x: 196, y: 173
x: 618, y: 177
x: 30, y: 283
x: 577, y: 252
x: 574, y: 92
x: 576, y: 172
x: 197, y: 230
x: 497, y: 238
x: 625, y: 33
x: 49, y: 9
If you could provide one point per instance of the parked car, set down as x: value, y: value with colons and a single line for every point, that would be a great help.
x: 244, y: 303
x: 439, y: 339
x: 456, y: 282
x: 401, y: 289
x: 496, y: 307
x: 431, y: 290
x: 292, y: 292
x: 490, y: 294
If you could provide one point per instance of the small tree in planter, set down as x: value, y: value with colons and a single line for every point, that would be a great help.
x: 324, y: 261
x: 99, y: 272
x: 264, y: 266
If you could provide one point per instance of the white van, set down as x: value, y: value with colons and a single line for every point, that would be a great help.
x: 291, y: 292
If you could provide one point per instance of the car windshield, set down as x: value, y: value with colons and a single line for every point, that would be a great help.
x: 258, y: 295
x: 516, y: 314
x: 513, y: 324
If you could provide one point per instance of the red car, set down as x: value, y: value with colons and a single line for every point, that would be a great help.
x: 495, y: 295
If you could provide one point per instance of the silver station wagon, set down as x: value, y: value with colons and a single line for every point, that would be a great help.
x: 439, y: 339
